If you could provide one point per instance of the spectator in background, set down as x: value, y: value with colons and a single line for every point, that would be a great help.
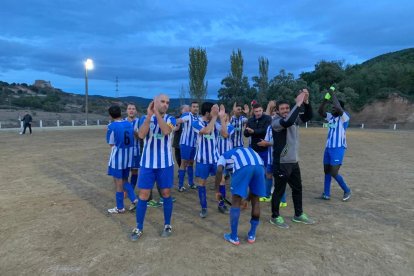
x: 27, y: 122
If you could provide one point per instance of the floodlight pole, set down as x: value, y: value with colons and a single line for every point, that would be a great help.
x: 86, y: 93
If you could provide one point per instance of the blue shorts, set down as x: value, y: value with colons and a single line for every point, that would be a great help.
x: 187, y: 152
x: 333, y: 156
x: 251, y: 177
x: 164, y: 178
x: 120, y: 174
x: 203, y: 171
x: 269, y: 168
x: 135, y: 162
x: 264, y: 155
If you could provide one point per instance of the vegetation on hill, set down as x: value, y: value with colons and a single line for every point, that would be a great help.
x: 358, y: 85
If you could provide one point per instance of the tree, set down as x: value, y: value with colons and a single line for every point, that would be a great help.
x: 197, y: 69
x: 236, y: 87
x: 261, y: 82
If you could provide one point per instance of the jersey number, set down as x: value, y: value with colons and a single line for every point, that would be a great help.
x: 127, y: 140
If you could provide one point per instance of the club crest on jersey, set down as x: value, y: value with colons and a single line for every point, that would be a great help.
x: 332, y: 125
x: 208, y: 136
x: 152, y: 126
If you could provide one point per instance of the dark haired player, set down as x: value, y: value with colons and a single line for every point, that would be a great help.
x: 338, y: 122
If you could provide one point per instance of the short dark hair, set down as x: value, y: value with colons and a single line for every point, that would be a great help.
x: 239, y: 105
x: 132, y: 104
x: 194, y: 102
x: 279, y: 103
x: 206, y: 107
x: 115, y: 111
x: 256, y: 105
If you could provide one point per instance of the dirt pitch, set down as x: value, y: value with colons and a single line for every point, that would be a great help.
x: 54, y: 193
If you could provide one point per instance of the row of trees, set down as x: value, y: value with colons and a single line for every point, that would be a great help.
x: 357, y: 85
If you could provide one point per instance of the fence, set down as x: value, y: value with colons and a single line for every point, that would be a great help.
x: 72, y: 123
x: 390, y: 126
x: 54, y: 123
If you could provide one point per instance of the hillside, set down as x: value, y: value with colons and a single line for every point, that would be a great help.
x: 47, y: 98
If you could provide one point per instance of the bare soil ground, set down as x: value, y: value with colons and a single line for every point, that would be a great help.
x: 54, y: 193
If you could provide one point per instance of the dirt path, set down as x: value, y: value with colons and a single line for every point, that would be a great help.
x: 54, y: 193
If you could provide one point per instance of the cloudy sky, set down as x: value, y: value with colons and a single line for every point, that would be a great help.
x: 145, y: 43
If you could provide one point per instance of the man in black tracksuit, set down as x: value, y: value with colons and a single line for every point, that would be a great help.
x: 286, y: 158
x: 27, y: 122
x: 256, y: 128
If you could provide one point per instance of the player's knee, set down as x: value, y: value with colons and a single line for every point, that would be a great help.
x: 165, y: 193
x: 144, y: 194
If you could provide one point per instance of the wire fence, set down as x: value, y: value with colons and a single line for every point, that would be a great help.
x: 77, y: 123
x: 54, y: 123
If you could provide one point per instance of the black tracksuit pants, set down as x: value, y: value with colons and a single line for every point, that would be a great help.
x: 25, y: 126
x: 287, y: 174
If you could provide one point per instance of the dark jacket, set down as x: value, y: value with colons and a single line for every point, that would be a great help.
x: 259, y: 126
x: 27, y: 119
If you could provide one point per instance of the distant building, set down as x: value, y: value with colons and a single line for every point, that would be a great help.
x: 42, y: 84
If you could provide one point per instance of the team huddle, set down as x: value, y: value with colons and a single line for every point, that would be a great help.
x: 214, y: 141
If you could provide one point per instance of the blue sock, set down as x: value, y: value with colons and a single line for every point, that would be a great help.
x: 119, y: 200
x: 168, y: 207
x: 327, y: 185
x: 283, y: 199
x: 222, y: 189
x: 234, y: 221
x: 342, y: 183
x: 269, y: 183
x: 190, y: 175
x: 130, y: 191
x: 140, y: 213
x: 203, y: 196
x: 253, y: 226
x: 134, y: 179
x: 181, y: 175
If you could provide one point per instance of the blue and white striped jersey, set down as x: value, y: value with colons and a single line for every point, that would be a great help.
x: 269, y: 138
x: 206, y: 152
x: 240, y: 157
x: 120, y: 134
x: 135, y: 124
x: 237, y: 137
x: 157, y: 152
x: 337, y: 130
x: 225, y: 144
x: 188, y: 135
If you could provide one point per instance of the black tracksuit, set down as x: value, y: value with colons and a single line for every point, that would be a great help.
x: 259, y: 126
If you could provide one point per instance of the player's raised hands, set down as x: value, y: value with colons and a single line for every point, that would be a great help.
x: 150, y: 109
x: 234, y: 107
x: 306, y: 99
x: 214, y: 110
x: 222, y: 111
x: 300, y: 98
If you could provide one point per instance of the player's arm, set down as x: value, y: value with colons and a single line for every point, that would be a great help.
x: 322, y: 107
x: 219, y: 175
x: 110, y: 137
x: 270, y: 106
x: 337, y: 105
x: 210, y: 127
x: 248, y: 131
x: 224, y: 124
